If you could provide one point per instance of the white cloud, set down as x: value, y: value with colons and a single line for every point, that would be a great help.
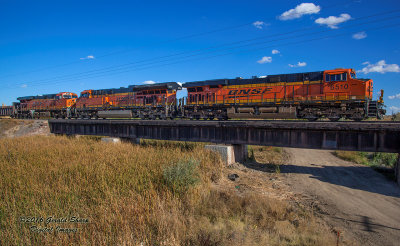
x: 87, y: 57
x: 333, y: 21
x: 149, y: 82
x: 259, y: 24
x: 359, y: 35
x: 299, y: 11
x: 299, y: 64
x: 265, y: 59
x: 274, y: 52
x: 379, y: 67
x: 397, y: 96
x: 24, y: 86
x: 394, y: 109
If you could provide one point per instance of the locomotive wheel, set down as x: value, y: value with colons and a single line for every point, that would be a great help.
x: 357, y: 117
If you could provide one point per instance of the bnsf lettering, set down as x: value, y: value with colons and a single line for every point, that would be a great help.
x: 249, y: 91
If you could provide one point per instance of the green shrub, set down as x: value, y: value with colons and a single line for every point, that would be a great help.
x: 384, y: 159
x: 353, y: 156
x: 181, y: 176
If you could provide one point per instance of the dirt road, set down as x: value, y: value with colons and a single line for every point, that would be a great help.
x: 355, y: 199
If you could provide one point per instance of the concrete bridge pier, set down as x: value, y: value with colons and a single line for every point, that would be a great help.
x: 111, y: 140
x: 118, y: 140
x: 230, y: 153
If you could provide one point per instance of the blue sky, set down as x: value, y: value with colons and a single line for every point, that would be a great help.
x: 53, y: 46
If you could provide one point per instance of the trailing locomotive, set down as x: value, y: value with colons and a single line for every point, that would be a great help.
x: 136, y: 101
x: 332, y: 94
x: 49, y: 105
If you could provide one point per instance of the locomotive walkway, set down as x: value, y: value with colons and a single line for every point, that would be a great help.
x: 355, y: 136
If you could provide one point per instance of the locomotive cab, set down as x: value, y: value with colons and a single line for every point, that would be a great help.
x: 65, y: 99
x: 343, y: 84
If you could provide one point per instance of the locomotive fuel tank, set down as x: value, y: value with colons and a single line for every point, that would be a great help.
x: 115, y: 114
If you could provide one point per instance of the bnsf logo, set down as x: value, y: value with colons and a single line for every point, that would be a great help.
x: 249, y: 91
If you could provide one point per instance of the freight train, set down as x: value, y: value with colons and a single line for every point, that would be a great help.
x: 332, y: 94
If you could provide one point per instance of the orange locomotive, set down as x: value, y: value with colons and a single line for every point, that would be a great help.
x: 332, y: 94
x: 49, y: 105
x: 135, y: 101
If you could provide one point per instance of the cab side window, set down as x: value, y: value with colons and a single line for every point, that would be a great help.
x: 327, y: 78
x: 336, y: 77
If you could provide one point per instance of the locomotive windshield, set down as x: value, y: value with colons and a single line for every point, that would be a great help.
x: 85, y: 95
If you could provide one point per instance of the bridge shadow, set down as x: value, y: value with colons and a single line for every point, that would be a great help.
x: 367, y: 224
x: 354, y: 177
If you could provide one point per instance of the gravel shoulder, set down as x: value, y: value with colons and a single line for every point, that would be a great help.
x: 11, y: 128
x: 354, y: 199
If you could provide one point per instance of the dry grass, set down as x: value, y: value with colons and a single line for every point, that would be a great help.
x: 270, y: 155
x: 123, y: 190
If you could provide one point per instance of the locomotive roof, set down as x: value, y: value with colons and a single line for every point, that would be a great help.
x: 45, y: 96
x: 293, y: 77
x: 166, y: 85
x: 110, y: 91
x: 132, y: 88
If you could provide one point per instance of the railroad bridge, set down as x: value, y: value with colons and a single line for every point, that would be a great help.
x: 355, y: 136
